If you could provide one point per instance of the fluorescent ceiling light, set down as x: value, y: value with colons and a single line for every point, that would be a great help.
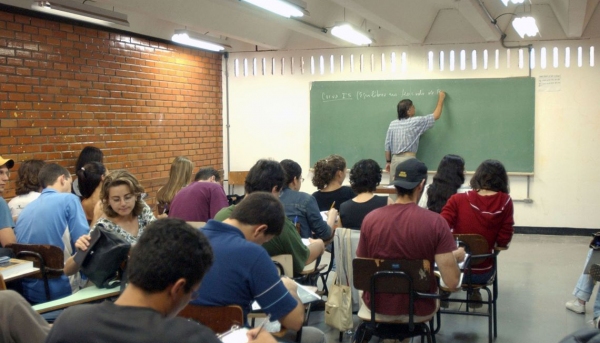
x: 525, y: 26
x: 199, y: 41
x: 82, y: 12
x: 281, y: 7
x: 350, y: 34
x: 513, y: 1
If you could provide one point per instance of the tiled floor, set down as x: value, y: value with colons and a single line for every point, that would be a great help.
x: 537, y: 276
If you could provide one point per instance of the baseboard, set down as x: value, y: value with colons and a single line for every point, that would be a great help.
x: 558, y: 231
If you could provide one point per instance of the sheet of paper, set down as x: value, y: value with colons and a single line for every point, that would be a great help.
x: 236, y: 336
x: 306, y: 241
x: 324, y: 215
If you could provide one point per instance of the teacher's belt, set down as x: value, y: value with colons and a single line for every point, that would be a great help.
x: 407, y: 153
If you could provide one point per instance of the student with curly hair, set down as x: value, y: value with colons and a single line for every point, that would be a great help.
x: 125, y: 213
x: 447, y: 181
x: 28, y: 186
x: 328, y: 176
x: 365, y: 176
x: 180, y: 176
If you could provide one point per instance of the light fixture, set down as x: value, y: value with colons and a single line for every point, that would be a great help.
x: 283, y: 8
x: 525, y: 26
x: 83, y: 12
x: 513, y: 1
x: 350, y: 34
x: 197, y: 40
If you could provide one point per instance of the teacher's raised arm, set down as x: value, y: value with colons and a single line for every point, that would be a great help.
x: 437, y: 113
x: 402, y: 138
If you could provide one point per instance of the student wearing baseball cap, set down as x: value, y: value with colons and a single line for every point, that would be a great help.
x: 7, y: 235
x: 406, y: 231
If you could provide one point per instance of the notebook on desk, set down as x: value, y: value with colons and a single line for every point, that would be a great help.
x: 305, y: 295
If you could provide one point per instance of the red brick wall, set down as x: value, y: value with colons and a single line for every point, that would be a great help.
x: 142, y: 102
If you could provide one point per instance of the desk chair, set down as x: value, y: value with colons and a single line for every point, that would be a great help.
x: 218, y: 318
x: 48, y: 258
x: 235, y: 178
x: 2, y: 284
x: 284, y: 264
x: 477, y: 247
x: 410, y: 277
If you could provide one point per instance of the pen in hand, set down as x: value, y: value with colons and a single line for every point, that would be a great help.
x: 262, y: 325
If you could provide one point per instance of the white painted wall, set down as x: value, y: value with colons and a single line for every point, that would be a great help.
x: 270, y: 114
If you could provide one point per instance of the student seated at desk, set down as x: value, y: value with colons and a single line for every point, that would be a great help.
x: 124, y: 211
x: 56, y: 218
x: 486, y: 210
x: 164, y: 273
x: 403, y: 230
x: 27, y: 187
x: 180, y: 176
x: 202, y: 199
x: 447, y: 181
x: 90, y: 178
x: 243, y: 271
x: 7, y: 235
x: 365, y: 176
x: 269, y: 176
x: 328, y: 176
x: 19, y: 323
x: 303, y: 208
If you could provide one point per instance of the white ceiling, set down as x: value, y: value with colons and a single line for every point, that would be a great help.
x: 390, y: 22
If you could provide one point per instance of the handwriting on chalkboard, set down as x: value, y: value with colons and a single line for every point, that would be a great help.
x: 375, y: 94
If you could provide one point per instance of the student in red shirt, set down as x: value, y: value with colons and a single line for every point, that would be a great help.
x: 486, y: 209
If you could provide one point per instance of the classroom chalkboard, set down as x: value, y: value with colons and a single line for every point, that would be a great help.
x: 482, y: 119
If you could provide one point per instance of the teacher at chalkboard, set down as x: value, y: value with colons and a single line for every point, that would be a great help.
x: 402, y: 139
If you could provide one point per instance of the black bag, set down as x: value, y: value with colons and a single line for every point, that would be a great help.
x: 102, y: 261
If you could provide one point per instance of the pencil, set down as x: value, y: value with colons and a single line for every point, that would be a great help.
x: 262, y: 325
x: 332, y: 204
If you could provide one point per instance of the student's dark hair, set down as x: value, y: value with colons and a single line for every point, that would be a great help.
x: 261, y: 208
x: 365, y: 176
x: 27, y: 177
x: 168, y: 250
x: 403, y: 107
x: 87, y: 155
x: 50, y: 172
x: 205, y: 174
x: 447, y: 180
x: 118, y: 178
x: 491, y: 176
x: 90, y: 176
x: 263, y: 176
x: 292, y: 170
x: 325, y: 170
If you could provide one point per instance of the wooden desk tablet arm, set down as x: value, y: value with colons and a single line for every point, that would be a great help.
x: 497, y: 250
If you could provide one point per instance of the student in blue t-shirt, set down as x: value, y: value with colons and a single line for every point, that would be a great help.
x: 55, y: 218
x: 243, y: 272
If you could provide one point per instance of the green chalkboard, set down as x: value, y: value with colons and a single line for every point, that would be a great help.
x: 482, y: 119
